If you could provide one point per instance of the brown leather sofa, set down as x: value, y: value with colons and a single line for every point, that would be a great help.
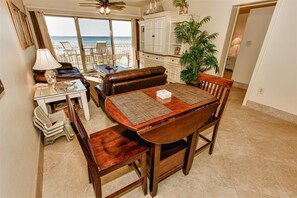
x: 130, y: 80
x: 66, y: 72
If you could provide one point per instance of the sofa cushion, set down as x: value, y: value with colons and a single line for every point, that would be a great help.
x: 134, y: 74
x: 140, y: 83
x: 73, y: 70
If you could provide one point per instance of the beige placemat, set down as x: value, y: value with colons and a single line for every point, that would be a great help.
x: 188, y: 94
x: 139, y: 107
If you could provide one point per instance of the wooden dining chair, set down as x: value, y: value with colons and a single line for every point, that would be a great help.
x: 170, y: 152
x: 220, y: 88
x: 108, y: 150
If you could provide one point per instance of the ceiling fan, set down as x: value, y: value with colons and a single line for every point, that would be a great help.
x: 104, y: 6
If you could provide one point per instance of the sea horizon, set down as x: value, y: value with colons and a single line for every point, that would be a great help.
x: 91, y: 40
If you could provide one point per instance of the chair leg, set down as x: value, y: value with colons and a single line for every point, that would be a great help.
x: 213, y: 139
x: 143, y: 173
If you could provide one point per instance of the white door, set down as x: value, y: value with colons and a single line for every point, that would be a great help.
x: 250, y: 47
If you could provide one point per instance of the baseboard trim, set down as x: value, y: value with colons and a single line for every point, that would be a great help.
x: 39, y: 183
x: 273, y: 112
x: 240, y: 85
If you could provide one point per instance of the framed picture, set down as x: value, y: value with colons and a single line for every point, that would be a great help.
x: 27, y: 29
x: 21, y: 25
x: 177, y: 51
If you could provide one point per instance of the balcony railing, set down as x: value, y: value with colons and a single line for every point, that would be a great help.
x: 122, y: 55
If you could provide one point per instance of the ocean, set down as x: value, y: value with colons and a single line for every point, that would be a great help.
x: 91, y: 40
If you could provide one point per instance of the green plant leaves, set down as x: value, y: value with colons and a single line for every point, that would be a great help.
x: 201, y: 55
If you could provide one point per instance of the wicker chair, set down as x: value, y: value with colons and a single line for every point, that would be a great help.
x: 53, y: 125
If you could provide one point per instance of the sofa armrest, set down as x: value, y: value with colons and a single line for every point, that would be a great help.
x: 65, y: 65
x: 101, y: 96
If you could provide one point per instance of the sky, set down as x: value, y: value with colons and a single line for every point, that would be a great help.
x: 65, y: 26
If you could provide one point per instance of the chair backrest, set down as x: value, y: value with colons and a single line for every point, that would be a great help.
x: 218, y: 87
x: 101, y: 47
x: 81, y: 133
x: 177, y: 128
x: 41, y: 116
x: 66, y: 45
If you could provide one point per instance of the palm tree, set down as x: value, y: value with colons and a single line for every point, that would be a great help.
x: 180, y: 3
x: 200, y: 56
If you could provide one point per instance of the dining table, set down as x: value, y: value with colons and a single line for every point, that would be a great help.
x: 142, y: 110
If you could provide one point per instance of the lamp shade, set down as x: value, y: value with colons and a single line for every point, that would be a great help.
x: 45, y: 60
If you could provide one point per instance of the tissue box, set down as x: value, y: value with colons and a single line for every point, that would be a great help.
x: 164, y: 94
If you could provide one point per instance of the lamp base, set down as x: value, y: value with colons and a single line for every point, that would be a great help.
x: 50, y: 77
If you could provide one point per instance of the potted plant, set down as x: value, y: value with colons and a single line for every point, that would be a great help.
x: 183, y: 6
x: 200, y: 56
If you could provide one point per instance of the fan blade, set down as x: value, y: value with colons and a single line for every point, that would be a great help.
x: 89, y: 3
x: 114, y: 7
x: 117, y: 3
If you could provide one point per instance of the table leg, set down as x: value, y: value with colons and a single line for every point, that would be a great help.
x: 85, y: 106
x: 192, y: 142
x: 42, y: 104
x: 154, y: 172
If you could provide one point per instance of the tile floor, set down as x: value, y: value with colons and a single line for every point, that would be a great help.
x: 255, y: 156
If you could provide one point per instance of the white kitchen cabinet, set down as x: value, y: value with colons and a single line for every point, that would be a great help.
x: 155, y: 35
x: 161, y: 48
x: 173, y: 69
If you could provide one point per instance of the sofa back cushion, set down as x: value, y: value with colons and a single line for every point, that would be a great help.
x: 133, y: 79
x: 140, y: 83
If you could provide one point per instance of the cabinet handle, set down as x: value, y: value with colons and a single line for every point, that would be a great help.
x: 153, y: 36
x: 157, y: 58
x: 172, y: 60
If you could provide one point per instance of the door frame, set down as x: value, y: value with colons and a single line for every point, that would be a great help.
x: 230, y: 31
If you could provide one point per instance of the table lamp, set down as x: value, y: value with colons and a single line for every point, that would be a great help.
x: 46, y: 61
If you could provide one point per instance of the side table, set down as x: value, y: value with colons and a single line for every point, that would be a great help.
x: 44, y: 95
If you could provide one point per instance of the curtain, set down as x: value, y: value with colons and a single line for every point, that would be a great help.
x: 134, y: 42
x: 41, y: 32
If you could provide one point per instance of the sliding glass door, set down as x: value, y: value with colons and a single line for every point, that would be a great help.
x: 87, y: 43
x: 96, y: 40
x: 64, y: 39
x: 122, y: 34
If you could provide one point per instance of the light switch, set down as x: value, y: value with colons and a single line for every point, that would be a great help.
x: 1, y: 87
x: 248, y: 43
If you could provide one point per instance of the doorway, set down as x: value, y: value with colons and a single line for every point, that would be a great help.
x: 249, y: 29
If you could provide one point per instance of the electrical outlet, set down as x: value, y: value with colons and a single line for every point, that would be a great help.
x: 260, y: 90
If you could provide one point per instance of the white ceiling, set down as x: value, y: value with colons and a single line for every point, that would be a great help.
x: 138, y: 3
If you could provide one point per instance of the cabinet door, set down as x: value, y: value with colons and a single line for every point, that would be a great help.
x: 173, y: 69
x: 159, y: 36
x: 149, y: 36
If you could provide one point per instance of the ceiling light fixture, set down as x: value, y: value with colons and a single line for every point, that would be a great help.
x: 104, y: 10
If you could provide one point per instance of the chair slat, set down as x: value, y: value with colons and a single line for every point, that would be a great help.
x: 220, y: 88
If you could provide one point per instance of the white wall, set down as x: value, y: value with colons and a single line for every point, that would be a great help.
x: 19, y: 142
x: 276, y: 69
x: 254, y: 34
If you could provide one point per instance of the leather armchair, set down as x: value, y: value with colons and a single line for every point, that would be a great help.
x: 66, y: 72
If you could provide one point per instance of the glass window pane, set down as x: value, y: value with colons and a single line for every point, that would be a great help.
x: 64, y: 38
x: 96, y: 41
x: 122, y: 34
